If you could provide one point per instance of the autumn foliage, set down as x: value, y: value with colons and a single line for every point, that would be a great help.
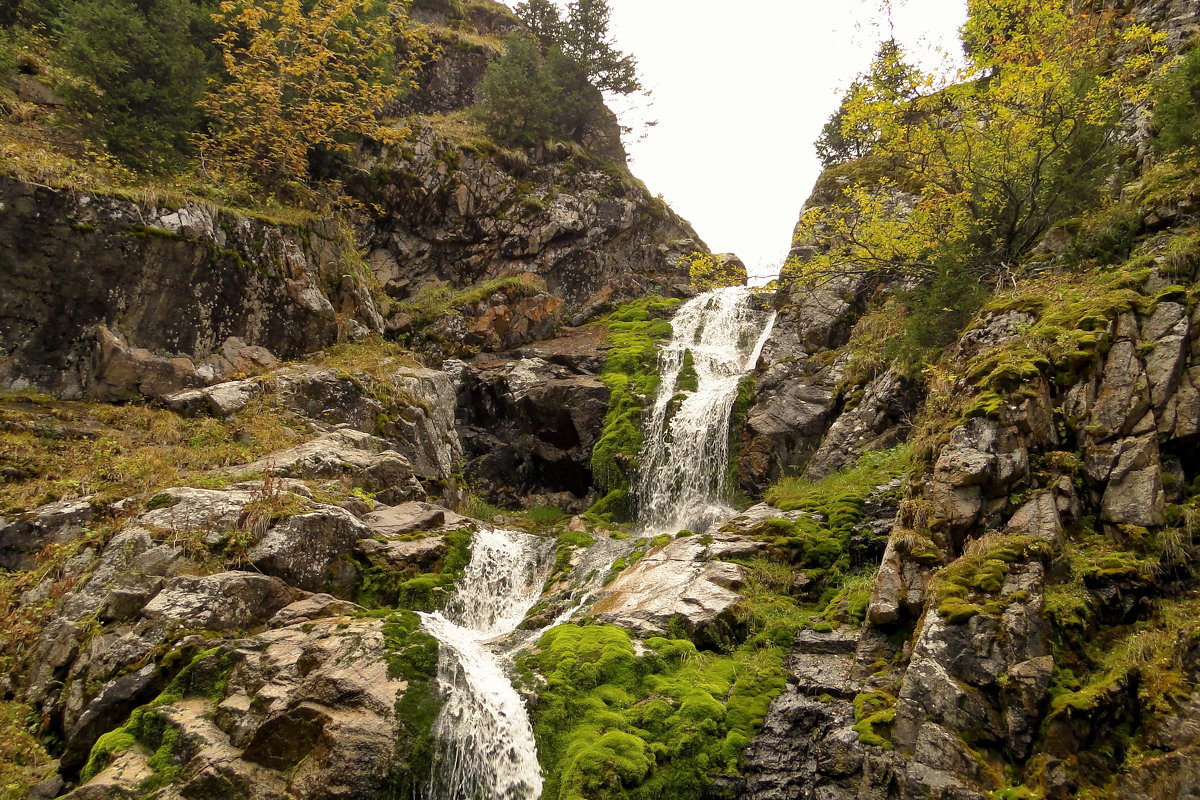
x: 980, y: 163
x: 304, y: 77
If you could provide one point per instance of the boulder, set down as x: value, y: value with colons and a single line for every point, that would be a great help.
x: 415, y: 516
x: 358, y: 459
x: 682, y: 581
x: 222, y: 400
x: 226, y: 601
x: 21, y: 539
x: 306, y: 550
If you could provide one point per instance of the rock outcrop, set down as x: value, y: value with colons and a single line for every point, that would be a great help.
x: 111, y: 298
x: 684, y: 582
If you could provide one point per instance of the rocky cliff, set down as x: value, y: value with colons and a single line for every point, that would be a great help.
x: 239, y: 451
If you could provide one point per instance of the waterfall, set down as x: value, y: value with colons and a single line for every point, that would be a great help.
x: 487, y: 746
x: 487, y: 749
x: 717, y: 338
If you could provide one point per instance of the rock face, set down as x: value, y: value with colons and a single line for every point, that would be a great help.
x: 808, y: 746
x: 54, y: 523
x: 108, y: 298
x: 528, y: 427
x: 451, y: 215
x: 803, y: 418
x: 306, y: 711
x: 684, y: 581
x: 969, y: 692
x: 250, y: 583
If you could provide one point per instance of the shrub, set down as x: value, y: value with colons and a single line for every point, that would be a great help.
x: 1177, y: 106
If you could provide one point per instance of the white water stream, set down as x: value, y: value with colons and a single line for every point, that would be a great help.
x: 686, y: 455
x: 487, y: 746
x: 488, y: 751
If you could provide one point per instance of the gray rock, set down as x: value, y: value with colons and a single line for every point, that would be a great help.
x: 681, y: 580
x: 21, y: 539
x: 415, y: 516
x: 222, y: 400
x: 313, y: 607
x: 306, y: 550
x: 358, y: 458
x: 880, y: 420
x: 1134, y: 494
x: 226, y: 601
x: 165, y: 290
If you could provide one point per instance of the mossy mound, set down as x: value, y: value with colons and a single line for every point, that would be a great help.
x: 657, y: 721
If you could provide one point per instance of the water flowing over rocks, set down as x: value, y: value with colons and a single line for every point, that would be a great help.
x: 716, y: 338
x: 486, y: 739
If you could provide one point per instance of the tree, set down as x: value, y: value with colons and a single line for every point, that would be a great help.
x: 847, y: 136
x: 304, y: 77
x: 584, y: 38
x: 543, y: 20
x: 710, y: 271
x: 984, y: 167
x: 1177, y: 107
x: 145, y: 64
x: 519, y: 94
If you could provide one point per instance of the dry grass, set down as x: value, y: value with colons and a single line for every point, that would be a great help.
x: 53, y: 450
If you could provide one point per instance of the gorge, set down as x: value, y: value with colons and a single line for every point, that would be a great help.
x: 458, y: 468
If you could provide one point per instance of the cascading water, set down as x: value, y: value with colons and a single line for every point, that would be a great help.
x: 488, y: 750
x: 687, y: 440
x: 487, y: 746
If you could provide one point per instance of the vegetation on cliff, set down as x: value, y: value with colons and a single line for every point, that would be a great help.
x: 631, y: 372
x: 968, y: 172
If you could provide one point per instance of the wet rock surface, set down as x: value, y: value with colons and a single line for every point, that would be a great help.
x: 683, y: 581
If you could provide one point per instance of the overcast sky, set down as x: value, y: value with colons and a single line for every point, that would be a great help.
x: 740, y: 91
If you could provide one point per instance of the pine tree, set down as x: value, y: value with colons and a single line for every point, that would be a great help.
x: 519, y: 94
x: 146, y: 65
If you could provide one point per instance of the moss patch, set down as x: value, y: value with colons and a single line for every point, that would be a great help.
x: 631, y: 373
x: 412, y: 656
x: 383, y: 585
x: 614, y: 724
x: 836, y: 504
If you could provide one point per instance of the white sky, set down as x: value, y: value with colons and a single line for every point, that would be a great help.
x: 740, y: 90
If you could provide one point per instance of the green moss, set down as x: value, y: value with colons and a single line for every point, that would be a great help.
x: 106, y: 748
x: 205, y: 676
x: 433, y: 302
x: 631, y: 373
x: 747, y: 391
x: 612, y: 724
x: 1015, y: 793
x: 874, y: 713
x: 564, y: 547
x: 982, y: 573
x: 412, y: 656
x: 835, y: 505
x: 687, y: 380
x: 144, y: 231
x: 381, y: 584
